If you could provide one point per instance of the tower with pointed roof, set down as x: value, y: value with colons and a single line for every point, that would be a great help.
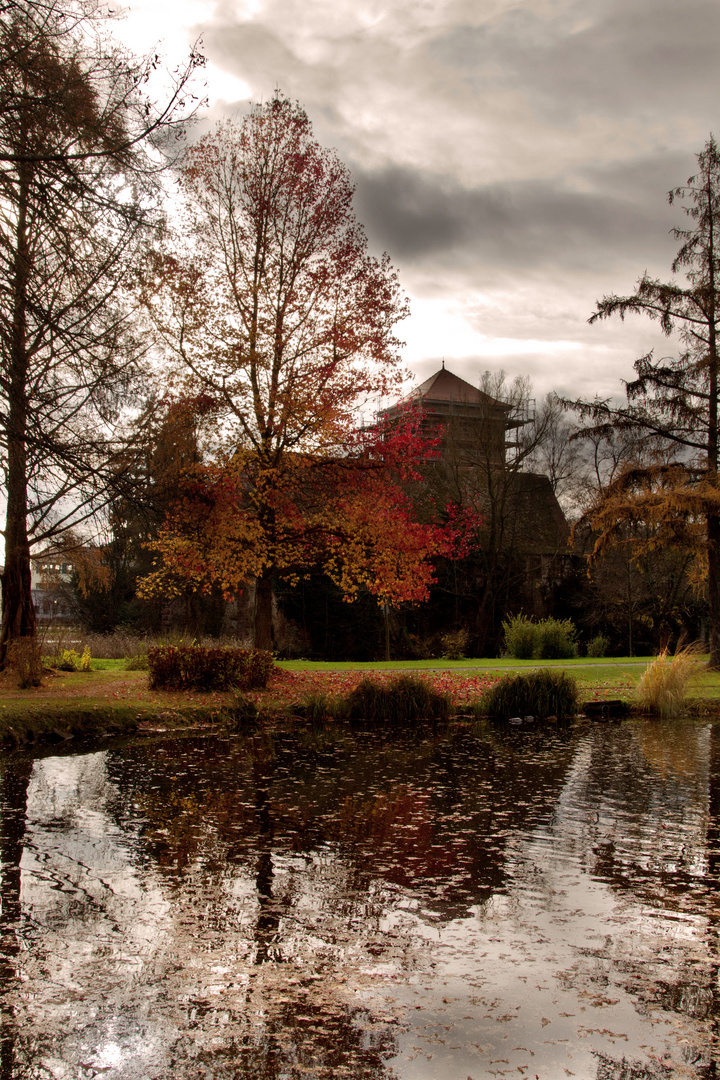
x: 475, y: 428
x: 456, y: 409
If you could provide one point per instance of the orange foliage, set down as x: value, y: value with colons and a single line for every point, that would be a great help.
x: 269, y: 306
x: 349, y: 515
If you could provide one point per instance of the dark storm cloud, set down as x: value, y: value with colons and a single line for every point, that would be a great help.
x: 618, y: 213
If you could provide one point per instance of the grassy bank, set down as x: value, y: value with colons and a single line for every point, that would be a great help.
x: 110, y: 699
x: 107, y: 701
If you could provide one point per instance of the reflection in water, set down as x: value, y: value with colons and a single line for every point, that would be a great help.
x: 532, y: 904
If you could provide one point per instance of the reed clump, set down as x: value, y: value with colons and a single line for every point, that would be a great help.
x: 401, y: 701
x: 540, y: 694
x: 664, y: 683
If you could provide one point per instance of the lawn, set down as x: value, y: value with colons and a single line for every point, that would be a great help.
x: 504, y: 664
x: 112, y: 698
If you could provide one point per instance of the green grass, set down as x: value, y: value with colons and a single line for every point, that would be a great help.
x: 505, y: 664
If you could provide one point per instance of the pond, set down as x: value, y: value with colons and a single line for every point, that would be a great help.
x: 447, y: 906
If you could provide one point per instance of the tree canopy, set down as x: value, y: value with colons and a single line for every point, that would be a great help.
x: 671, y: 411
x: 269, y: 304
x: 79, y: 198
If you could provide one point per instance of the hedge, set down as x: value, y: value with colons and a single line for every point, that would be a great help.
x: 196, y: 667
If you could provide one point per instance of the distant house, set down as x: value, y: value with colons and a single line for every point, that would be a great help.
x: 51, y: 576
x: 477, y: 454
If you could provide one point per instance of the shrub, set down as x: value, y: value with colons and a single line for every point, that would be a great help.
x: 551, y: 639
x: 520, y: 634
x: 68, y: 660
x: 538, y: 693
x: 664, y: 682
x: 198, y: 667
x: 598, y: 646
x: 401, y: 701
x: 454, y: 646
x: 139, y: 662
x: 25, y: 656
x: 421, y: 648
x: 555, y: 639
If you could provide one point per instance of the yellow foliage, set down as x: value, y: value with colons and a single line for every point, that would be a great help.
x: 653, y: 507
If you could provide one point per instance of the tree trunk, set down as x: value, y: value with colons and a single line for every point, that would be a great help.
x: 13, y: 789
x: 713, y: 580
x: 18, y: 613
x: 263, y: 613
x: 713, y: 519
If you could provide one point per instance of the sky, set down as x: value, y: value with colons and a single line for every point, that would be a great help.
x: 513, y: 157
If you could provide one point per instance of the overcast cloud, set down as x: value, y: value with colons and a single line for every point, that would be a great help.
x: 513, y: 158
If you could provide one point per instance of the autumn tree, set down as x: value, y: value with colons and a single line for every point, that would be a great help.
x: 268, y: 301
x: 80, y: 157
x: 671, y: 412
x: 162, y: 451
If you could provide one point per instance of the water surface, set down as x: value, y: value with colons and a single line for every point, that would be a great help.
x: 444, y: 907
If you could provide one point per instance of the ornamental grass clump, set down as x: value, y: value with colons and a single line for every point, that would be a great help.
x: 550, y: 639
x: 598, y: 646
x: 556, y: 639
x: 520, y: 635
x: 319, y: 706
x: 539, y: 694
x: 664, y: 683
x: 403, y: 700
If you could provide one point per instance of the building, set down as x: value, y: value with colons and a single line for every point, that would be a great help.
x: 51, y: 576
x: 481, y: 456
x: 464, y: 417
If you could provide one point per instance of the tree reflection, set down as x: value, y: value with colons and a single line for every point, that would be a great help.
x: 15, y: 772
x: 267, y: 946
x: 665, y: 791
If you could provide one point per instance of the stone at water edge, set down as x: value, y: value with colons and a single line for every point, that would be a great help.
x: 605, y: 707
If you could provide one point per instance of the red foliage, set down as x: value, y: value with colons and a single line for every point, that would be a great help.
x: 286, y: 688
x: 272, y: 307
x: 348, y: 514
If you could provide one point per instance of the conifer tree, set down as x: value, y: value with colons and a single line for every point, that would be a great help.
x: 671, y: 411
x: 80, y: 155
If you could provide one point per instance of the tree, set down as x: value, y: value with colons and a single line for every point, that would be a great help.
x: 348, y: 514
x: 79, y: 197
x: 267, y: 301
x: 163, y: 451
x: 671, y: 412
